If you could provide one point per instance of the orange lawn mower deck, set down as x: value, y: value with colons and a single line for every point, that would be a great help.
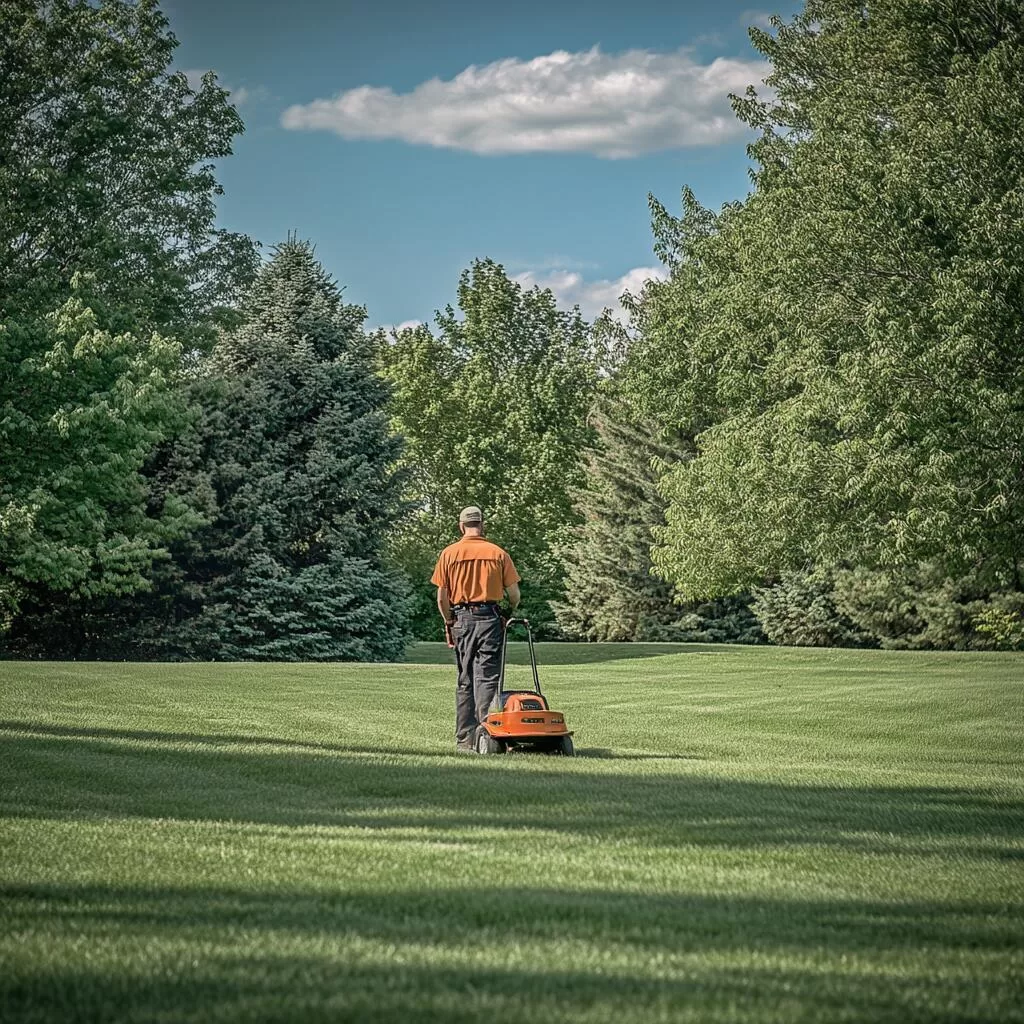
x: 521, y: 719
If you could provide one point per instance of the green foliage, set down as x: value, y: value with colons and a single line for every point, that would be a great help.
x: 910, y: 609
x: 111, y: 265
x: 663, y: 376
x: 80, y: 409
x: 293, y: 461
x: 1003, y: 627
x: 289, y: 462
x: 344, y: 608
x: 728, y: 620
x: 106, y: 168
x: 611, y: 591
x: 800, y: 611
x: 493, y: 409
x: 846, y: 345
x: 923, y: 608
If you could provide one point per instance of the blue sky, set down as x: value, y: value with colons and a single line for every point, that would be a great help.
x: 406, y: 139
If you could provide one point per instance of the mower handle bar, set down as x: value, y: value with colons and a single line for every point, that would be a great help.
x: 533, y: 652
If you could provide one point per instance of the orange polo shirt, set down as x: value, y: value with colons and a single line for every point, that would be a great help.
x: 474, y: 569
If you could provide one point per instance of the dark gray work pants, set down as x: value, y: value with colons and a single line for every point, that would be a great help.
x: 478, y: 634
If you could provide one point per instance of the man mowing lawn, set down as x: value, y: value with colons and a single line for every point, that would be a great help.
x: 471, y: 576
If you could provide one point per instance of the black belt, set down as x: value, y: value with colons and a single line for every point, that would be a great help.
x: 475, y: 604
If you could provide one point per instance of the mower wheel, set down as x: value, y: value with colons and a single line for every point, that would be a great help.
x: 565, y: 748
x: 487, y: 744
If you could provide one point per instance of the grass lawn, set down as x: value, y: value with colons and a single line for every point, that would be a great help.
x: 749, y: 834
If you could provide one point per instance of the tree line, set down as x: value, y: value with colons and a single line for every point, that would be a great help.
x: 808, y: 433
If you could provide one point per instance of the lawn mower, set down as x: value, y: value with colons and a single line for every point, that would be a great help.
x: 521, y: 719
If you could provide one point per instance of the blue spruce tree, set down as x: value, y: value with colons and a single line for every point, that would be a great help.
x: 292, y: 461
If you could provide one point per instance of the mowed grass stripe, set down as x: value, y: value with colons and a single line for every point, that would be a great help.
x: 749, y: 835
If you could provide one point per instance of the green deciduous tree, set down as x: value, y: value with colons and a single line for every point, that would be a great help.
x: 110, y: 266
x: 1002, y: 627
x: 106, y: 168
x: 847, y: 343
x: 80, y: 409
x: 493, y: 408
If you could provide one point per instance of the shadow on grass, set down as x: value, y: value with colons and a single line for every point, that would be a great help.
x: 464, y: 957
x: 607, y: 754
x: 218, y: 739
x: 88, y: 773
x: 575, y: 653
x: 232, y: 739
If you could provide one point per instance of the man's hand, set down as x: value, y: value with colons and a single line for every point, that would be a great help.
x: 449, y: 639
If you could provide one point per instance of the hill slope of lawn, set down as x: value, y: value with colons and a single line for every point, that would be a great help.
x: 749, y: 834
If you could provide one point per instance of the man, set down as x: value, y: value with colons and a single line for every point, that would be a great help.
x: 471, y: 576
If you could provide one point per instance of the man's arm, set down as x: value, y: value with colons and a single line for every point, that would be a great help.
x: 513, y: 595
x: 444, y: 604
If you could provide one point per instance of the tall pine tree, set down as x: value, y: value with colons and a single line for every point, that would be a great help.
x: 611, y: 592
x: 295, y: 460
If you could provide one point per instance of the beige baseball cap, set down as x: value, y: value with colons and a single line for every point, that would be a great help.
x: 471, y: 514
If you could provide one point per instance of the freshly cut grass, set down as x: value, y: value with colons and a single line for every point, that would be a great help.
x: 749, y: 834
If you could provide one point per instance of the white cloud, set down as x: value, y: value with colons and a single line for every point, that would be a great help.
x: 571, y: 289
x: 611, y: 105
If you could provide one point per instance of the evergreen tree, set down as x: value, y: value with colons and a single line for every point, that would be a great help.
x: 295, y: 460
x: 917, y: 608
x: 612, y: 592
x: 800, y: 611
x: 921, y: 607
